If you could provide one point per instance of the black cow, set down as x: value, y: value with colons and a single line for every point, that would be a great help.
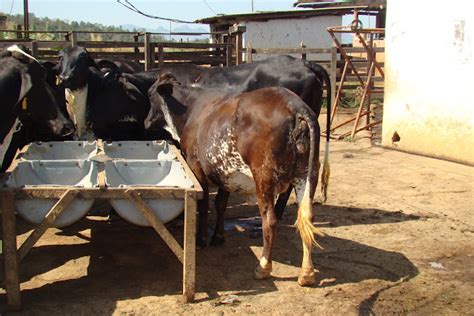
x: 29, y: 104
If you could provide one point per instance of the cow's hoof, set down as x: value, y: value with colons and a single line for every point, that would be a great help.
x: 263, y: 273
x: 307, y: 278
x: 201, y: 243
x: 217, y: 240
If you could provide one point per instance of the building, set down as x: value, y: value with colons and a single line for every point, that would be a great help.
x: 429, y: 62
x: 281, y: 29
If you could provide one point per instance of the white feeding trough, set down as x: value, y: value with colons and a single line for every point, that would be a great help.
x: 139, y: 150
x: 68, y: 150
x: 49, y: 173
x: 158, y: 173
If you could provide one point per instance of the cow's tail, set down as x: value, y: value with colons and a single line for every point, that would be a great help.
x: 304, y: 221
x: 321, y: 73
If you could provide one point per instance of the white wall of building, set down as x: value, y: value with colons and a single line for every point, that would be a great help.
x: 429, y: 83
x: 289, y: 33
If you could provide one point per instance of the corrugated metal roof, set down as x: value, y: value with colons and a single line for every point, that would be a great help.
x: 269, y: 15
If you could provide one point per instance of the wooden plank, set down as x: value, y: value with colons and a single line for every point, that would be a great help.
x: 350, y: 50
x: 46, y: 223
x: 201, y: 61
x: 192, y: 45
x: 53, y: 44
x: 352, y: 78
x: 10, y: 256
x: 93, y: 193
x: 189, y: 262
x: 191, y: 54
x: 292, y: 51
x: 159, y: 227
x: 333, y: 73
x: 116, y: 55
x: 109, y: 44
x: 198, y: 60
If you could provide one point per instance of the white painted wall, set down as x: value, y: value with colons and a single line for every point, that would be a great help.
x: 289, y: 33
x: 429, y: 83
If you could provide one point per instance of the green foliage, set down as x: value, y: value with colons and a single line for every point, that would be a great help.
x: 52, y: 25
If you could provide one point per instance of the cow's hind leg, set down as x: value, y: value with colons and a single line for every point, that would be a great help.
x: 221, y: 204
x: 265, y: 199
x: 307, y: 274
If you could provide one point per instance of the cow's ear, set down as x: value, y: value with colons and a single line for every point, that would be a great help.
x: 166, y: 83
x: 167, y: 77
x: 110, y: 76
x: 165, y: 88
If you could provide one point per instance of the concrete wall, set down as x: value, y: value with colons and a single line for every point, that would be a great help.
x: 429, y: 83
x: 289, y: 33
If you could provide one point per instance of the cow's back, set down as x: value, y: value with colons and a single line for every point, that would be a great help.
x: 239, y: 136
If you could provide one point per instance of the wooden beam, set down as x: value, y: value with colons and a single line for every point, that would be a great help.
x: 109, y: 193
x: 47, y: 222
x: 159, y: 227
x: 189, y: 263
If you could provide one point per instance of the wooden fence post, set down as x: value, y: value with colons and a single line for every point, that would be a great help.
x: 333, y: 73
x: 228, y: 57
x: 135, y: 39
x: 238, y: 47
x: 148, y: 49
x: 19, y: 34
x: 248, y: 53
x: 34, y: 49
x: 73, y: 38
x: 303, y: 55
x: 160, y: 56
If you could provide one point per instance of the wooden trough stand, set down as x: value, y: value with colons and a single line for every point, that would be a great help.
x: 66, y: 194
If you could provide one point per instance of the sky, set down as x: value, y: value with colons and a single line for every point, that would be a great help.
x: 109, y: 12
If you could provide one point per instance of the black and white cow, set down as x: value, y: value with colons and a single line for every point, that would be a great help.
x: 26, y: 100
x: 107, y: 104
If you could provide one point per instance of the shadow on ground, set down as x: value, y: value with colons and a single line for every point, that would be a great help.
x: 129, y: 262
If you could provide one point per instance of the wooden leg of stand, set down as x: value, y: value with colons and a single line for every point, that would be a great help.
x: 10, y: 255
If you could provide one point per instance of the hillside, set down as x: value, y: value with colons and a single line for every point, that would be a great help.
x: 47, y: 24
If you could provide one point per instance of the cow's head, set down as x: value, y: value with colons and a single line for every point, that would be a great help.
x: 73, y: 67
x: 166, y: 110
x: 159, y: 93
x: 38, y: 102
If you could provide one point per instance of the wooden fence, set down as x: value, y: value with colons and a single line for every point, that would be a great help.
x: 142, y: 49
x: 152, y: 54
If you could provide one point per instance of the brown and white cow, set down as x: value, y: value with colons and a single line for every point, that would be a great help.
x: 255, y: 142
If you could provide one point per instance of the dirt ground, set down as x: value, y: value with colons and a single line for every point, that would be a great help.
x: 399, y: 240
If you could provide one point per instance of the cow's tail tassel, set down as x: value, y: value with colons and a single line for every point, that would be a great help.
x: 325, y: 174
x: 304, y: 221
